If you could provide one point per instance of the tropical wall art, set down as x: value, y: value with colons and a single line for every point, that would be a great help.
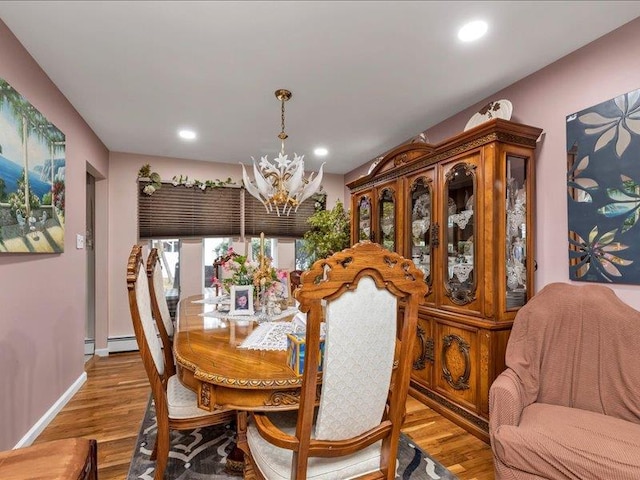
x: 32, y: 178
x: 603, y: 180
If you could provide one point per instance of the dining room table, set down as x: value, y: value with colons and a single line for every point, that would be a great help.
x: 235, y: 361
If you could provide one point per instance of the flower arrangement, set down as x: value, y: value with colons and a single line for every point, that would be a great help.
x: 242, y: 271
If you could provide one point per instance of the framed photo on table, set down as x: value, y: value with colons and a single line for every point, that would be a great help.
x: 241, y: 301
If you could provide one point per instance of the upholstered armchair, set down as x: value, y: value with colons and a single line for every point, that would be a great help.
x: 568, y: 404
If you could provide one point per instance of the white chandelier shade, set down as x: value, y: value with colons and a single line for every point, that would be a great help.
x: 280, y: 185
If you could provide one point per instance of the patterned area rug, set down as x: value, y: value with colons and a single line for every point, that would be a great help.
x: 202, y: 454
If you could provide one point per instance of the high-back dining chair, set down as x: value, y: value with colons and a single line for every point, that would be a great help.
x: 296, y: 278
x: 160, y: 308
x: 218, y: 268
x: 176, y: 406
x: 355, y: 430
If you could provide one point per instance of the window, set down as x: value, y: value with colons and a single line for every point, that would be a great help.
x: 213, y: 249
x: 302, y: 258
x: 270, y: 249
x: 169, y: 257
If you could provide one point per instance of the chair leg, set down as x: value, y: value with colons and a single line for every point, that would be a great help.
x: 162, y: 452
x: 154, y: 452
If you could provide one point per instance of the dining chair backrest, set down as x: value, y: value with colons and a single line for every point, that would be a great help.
x: 296, y: 277
x: 368, y: 351
x: 358, y: 360
x: 219, y: 271
x: 156, y: 288
x: 160, y: 309
x: 144, y: 325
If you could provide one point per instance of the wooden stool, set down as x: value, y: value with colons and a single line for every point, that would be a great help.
x: 67, y: 459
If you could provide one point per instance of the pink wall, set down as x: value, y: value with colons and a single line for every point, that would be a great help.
x: 597, y: 72
x: 43, y: 297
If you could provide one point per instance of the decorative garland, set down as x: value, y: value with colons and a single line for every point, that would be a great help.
x: 156, y: 181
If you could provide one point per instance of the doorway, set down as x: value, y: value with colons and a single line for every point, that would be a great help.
x: 90, y: 322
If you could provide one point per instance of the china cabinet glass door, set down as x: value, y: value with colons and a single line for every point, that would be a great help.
x: 387, y: 219
x: 420, y: 225
x: 516, y: 229
x: 364, y: 218
x: 458, y: 236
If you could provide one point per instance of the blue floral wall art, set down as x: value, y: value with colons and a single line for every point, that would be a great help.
x: 32, y: 178
x: 603, y: 186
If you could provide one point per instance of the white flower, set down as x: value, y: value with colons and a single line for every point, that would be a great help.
x: 624, y: 122
x: 149, y: 189
x: 282, y: 161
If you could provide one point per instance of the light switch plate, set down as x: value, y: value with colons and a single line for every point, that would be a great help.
x: 79, y: 241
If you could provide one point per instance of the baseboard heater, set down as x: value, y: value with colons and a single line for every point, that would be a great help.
x: 122, y: 344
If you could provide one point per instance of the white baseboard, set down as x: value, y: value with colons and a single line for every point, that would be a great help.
x: 122, y: 344
x: 102, y: 352
x: 89, y: 347
x: 41, y: 424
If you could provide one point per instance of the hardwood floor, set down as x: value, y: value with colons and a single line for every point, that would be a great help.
x: 110, y: 405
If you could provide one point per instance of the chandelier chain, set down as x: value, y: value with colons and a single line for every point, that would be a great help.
x: 282, y: 135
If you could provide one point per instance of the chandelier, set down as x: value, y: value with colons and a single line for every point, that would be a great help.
x: 280, y: 185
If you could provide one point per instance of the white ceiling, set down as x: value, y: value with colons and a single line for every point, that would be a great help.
x: 365, y: 76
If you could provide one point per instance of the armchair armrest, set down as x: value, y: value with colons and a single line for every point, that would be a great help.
x: 506, y: 401
x: 273, y: 434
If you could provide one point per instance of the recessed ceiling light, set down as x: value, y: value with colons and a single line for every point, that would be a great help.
x: 472, y: 31
x: 321, y: 152
x: 187, y: 134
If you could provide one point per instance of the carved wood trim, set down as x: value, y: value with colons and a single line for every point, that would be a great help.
x: 462, y: 382
x: 442, y: 152
x: 456, y: 409
x: 246, y: 382
x: 288, y: 398
x: 401, y: 159
x: 204, y: 399
x: 460, y: 296
x: 500, y: 130
x: 435, y: 234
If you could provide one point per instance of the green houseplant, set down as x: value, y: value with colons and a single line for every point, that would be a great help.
x: 330, y: 232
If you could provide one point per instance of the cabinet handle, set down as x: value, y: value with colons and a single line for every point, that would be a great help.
x: 426, y: 350
x: 435, y: 234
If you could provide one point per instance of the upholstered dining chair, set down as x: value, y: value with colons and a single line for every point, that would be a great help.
x: 355, y: 429
x: 176, y: 406
x: 160, y: 308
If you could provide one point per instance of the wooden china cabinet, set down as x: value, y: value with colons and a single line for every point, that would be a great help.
x: 463, y: 210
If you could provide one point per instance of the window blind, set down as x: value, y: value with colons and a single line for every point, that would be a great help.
x: 182, y: 212
x: 293, y: 226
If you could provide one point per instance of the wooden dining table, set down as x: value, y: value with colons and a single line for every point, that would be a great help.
x: 209, y: 362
